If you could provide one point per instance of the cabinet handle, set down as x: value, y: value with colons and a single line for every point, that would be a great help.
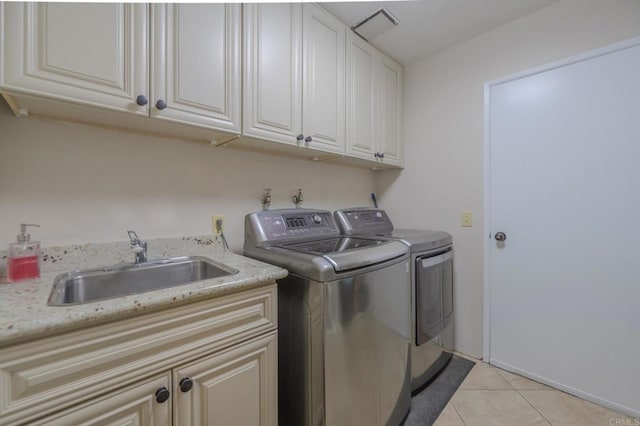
x: 377, y: 155
x: 186, y: 384
x: 381, y: 155
x: 161, y: 104
x: 142, y: 100
x: 162, y: 395
x: 308, y: 139
x: 300, y: 137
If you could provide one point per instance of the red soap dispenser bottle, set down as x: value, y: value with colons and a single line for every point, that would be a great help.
x: 24, y: 257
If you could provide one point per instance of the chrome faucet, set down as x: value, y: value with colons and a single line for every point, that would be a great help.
x: 138, y: 247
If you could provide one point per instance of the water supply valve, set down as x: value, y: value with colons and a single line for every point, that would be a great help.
x: 297, y: 199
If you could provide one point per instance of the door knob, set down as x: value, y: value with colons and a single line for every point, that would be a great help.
x: 500, y: 236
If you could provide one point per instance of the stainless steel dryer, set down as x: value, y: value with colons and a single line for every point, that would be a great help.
x: 343, y: 320
x: 431, y: 286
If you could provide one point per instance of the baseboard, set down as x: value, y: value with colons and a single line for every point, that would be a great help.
x: 568, y: 389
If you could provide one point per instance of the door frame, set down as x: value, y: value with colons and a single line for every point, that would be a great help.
x: 594, y: 53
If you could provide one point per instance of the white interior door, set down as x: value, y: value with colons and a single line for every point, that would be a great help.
x: 563, y: 163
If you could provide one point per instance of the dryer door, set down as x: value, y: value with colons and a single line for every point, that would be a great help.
x: 434, y: 294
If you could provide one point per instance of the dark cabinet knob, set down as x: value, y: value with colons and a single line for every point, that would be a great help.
x: 300, y: 137
x: 377, y: 155
x: 381, y: 155
x: 500, y: 236
x: 161, y: 104
x: 308, y: 139
x: 142, y: 100
x: 186, y: 384
x: 162, y: 395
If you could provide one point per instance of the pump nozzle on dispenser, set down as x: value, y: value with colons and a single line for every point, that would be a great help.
x: 24, y: 237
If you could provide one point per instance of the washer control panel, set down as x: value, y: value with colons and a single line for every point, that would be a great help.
x: 278, y: 225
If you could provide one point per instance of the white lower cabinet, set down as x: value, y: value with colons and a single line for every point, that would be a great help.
x: 212, y: 362
x: 235, y: 387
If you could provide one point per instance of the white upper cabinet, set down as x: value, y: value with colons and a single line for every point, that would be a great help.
x: 361, y: 98
x: 94, y: 54
x: 97, y: 54
x: 196, y: 75
x: 294, y: 75
x: 272, y: 71
x: 374, y: 104
x: 289, y: 73
x: 390, y: 133
x: 323, y: 76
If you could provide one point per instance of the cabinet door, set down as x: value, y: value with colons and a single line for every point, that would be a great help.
x: 390, y: 141
x: 362, y: 98
x: 91, y: 53
x: 196, y: 77
x: 272, y: 71
x: 133, y: 405
x: 323, y: 76
x: 235, y: 387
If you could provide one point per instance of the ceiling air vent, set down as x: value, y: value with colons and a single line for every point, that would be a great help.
x: 375, y: 24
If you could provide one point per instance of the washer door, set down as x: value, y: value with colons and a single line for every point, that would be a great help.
x: 434, y: 294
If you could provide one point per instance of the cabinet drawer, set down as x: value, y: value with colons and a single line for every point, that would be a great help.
x: 53, y: 373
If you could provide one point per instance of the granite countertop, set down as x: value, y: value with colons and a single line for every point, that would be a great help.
x: 24, y: 313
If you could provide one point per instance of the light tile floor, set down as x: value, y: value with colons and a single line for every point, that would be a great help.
x: 490, y: 396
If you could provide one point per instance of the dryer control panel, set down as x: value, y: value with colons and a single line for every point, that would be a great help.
x: 363, y: 220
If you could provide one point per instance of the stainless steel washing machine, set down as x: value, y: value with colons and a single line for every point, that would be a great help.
x: 343, y: 320
x: 431, y: 286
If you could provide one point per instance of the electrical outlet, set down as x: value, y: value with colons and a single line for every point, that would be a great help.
x: 467, y: 219
x: 217, y: 224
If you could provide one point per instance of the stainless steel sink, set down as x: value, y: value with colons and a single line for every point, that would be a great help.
x: 90, y: 285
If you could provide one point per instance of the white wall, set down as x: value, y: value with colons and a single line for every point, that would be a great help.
x: 84, y: 184
x: 444, y: 130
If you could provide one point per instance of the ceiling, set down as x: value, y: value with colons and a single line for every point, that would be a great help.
x: 429, y: 26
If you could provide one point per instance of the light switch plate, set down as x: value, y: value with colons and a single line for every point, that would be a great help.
x: 467, y: 219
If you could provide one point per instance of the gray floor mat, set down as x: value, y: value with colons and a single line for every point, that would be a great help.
x: 427, y: 405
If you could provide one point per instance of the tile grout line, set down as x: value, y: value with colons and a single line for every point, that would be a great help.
x: 534, y: 407
x: 495, y: 369
x: 520, y: 393
x: 456, y: 410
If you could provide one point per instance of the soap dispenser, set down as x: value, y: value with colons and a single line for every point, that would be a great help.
x: 24, y: 257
